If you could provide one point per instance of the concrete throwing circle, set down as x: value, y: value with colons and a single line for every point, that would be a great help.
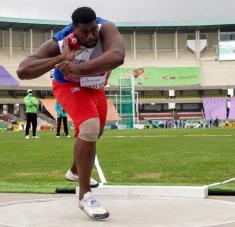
x: 125, y: 211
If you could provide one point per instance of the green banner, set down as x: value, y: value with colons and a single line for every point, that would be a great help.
x: 154, y: 76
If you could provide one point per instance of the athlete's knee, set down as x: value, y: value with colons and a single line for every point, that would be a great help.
x: 89, y: 130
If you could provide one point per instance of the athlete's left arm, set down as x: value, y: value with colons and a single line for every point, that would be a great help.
x: 112, y: 56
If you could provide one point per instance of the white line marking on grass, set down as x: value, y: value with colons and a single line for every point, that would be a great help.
x: 99, y: 170
x: 223, y: 182
x: 166, y: 136
x: 210, y: 135
x: 137, y: 136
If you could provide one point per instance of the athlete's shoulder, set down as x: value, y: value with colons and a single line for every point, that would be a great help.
x: 63, y: 32
x: 100, y: 20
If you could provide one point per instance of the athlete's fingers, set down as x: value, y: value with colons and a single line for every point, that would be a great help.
x: 62, y: 64
x: 66, y: 42
x: 66, y: 68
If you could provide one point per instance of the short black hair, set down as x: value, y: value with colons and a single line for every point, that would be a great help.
x: 83, y: 15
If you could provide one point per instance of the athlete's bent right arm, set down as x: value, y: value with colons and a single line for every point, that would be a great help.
x: 45, y: 59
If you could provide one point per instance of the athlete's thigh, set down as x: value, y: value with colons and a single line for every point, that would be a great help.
x: 77, y: 102
x: 102, y: 108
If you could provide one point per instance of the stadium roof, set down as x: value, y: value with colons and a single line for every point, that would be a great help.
x: 124, y: 13
x: 20, y: 23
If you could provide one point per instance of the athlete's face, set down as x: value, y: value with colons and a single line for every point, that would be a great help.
x: 87, y: 33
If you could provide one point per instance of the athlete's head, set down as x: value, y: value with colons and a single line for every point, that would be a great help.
x: 85, y: 26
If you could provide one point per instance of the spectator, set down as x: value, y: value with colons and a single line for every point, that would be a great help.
x: 61, y: 116
x: 31, y: 104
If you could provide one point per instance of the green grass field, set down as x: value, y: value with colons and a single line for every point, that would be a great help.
x: 130, y: 157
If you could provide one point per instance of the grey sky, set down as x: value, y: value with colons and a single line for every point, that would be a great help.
x: 123, y: 10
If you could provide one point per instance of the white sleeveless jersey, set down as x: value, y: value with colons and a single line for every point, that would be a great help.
x: 84, y: 54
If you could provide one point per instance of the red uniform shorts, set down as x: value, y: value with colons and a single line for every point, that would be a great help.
x: 81, y: 103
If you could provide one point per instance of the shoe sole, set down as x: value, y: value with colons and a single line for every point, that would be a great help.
x: 96, y: 217
x: 75, y: 180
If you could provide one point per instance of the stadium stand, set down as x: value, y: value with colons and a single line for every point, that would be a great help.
x: 164, y: 116
x: 189, y: 115
x: 153, y: 48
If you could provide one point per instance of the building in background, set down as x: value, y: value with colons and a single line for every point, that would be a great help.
x: 179, y: 52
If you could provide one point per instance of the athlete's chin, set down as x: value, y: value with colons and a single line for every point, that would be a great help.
x: 90, y: 44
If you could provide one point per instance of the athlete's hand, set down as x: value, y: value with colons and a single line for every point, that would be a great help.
x: 68, y: 53
x: 68, y: 68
